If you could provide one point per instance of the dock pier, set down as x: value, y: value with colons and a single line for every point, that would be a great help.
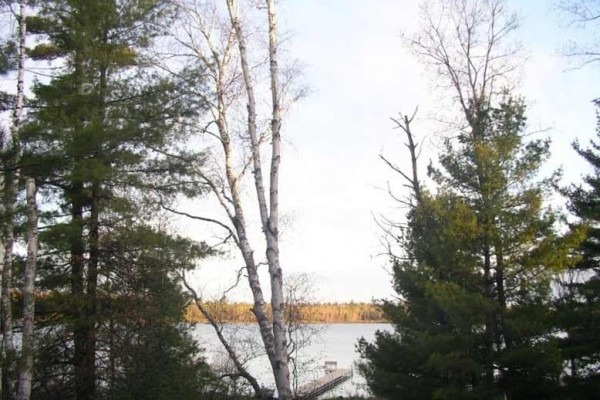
x: 332, y: 378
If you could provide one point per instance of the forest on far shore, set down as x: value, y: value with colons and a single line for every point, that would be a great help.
x: 326, y: 313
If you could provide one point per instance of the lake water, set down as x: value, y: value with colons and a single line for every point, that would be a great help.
x: 335, y: 342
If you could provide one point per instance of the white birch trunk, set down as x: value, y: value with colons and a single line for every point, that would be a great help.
x: 273, y: 334
x: 7, y: 321
x: 28, y: 340
x: 217, y: 61
x: 272, y: 229
x: 238, y: 219
x: 273, y: 337
x: 10, y: 206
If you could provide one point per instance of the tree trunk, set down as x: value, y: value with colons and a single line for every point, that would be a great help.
x: 10, y: 206
x: 274, y: 338
x: 282, y: 373
x: 504, y: 337
x: 7, y: 321
x: 84, y: 328
x: 490, y: 325
x: 90, y: 298
x: 83, y: 385
x: 10, y: 192
x: 28, y: 343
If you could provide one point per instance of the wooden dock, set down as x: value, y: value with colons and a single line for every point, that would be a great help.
x: 324, y: 384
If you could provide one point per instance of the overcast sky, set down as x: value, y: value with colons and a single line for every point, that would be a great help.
x: 333, y: 183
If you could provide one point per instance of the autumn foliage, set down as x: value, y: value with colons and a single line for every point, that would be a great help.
x: 327, y: 313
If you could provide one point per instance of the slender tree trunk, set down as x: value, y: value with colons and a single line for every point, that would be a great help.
x: 249, y: 85
x: 7, y: 320
x: 504, y: 338
x: 488, y: 292
x: 27, y: 340
x: 282, y: 372
x: 84, y: 329
x: 239, y: 222
x: 503, y: 334
x: 490, y: 324
x: 28, y: 343
x: 82, y: 381
x: 11, y: 188
x: 478, y: 127
x: 90, y: 302
x: 274, y: 337
x: 18, y: 113
x: 11, y: 179
x: 259, y: 308
x: 259, y: 305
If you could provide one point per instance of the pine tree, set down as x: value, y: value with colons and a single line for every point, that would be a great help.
x: 8, y: 50
x: 96, y: 141
x: 143, y: 349
x: 152, y: 355
x: 435, y: 351
x: 474, y: 321
x: 578, y: 307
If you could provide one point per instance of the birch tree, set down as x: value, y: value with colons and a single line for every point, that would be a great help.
x: 221, y: 44
x: 9, y: 207
x: 25, y: 374
x: 12, y: 173
x: 28, y: 341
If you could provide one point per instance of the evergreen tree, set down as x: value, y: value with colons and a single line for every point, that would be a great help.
x: 143, y: 349
x: 96, y: 141
x: 8, y: 56
x: 578, y: 307
x: 152, y: 350
x: 435, y: 351
x: 474, y: 320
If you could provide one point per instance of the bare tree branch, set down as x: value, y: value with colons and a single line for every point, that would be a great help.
x: 243, y: 372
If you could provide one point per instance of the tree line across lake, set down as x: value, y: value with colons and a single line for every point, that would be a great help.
x: 313, y: 313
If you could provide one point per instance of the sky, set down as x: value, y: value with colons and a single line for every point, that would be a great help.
x: 333, y: 183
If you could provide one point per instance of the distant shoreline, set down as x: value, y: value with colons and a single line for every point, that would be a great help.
x: 309, y: 313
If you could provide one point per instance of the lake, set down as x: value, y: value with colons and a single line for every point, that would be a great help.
x: 331, y: 342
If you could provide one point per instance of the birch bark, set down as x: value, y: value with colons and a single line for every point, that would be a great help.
x: 275, y: 338
x: 228, y: 190
x: 281, y: 370
x: 25, y: 373
x: 28, y: 339
x: 10, y: 205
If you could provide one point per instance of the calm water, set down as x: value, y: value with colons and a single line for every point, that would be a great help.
x: 335, y: 342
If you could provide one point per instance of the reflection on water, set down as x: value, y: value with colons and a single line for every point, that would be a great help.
x: 335, y: 342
